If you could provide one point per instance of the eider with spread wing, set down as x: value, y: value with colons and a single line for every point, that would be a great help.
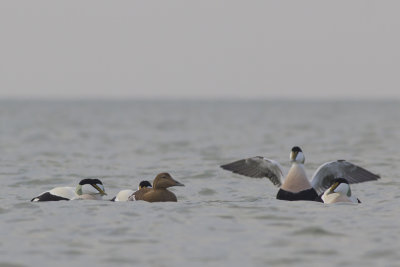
x: 296, y: 186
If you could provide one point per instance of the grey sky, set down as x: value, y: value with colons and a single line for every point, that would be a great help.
x: 210, y: 49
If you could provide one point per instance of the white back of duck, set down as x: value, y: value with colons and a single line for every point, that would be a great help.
x: 123, y: 195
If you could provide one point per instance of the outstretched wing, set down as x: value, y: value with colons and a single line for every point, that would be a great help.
x: 257, y: 167
x: 325, y: 174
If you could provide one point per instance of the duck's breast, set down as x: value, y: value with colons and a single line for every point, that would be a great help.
x: 335, y: 198
x: 296, y: 180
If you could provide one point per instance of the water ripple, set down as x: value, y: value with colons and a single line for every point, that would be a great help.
x: 315, y: 231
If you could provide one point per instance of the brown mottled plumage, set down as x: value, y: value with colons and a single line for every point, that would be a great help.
x: 159, y: 192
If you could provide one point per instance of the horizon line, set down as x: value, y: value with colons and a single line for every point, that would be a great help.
x: 201, y: 98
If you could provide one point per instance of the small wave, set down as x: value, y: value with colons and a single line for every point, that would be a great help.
x: 314, y: 230
x: 207, y: 192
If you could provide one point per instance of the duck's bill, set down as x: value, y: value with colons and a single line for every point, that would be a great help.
x: 293, y: 155
x: 101, y: 190
x: 332, y: 188
x: 178, y: 184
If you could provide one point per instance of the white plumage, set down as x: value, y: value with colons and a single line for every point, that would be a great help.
x: 123, y: 195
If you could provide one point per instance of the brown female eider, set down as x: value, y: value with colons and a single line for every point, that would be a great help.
x: 159, y: 192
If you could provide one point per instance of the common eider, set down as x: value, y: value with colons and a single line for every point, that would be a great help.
x: 123, y: 195
x: 296, y: 185
x: 86, y: 189
x: 339, y: 192
x: 159, y: 192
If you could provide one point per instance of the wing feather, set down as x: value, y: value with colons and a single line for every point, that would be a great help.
x: 257, y: 167
x: 139, y: 194
x: 327, y: 172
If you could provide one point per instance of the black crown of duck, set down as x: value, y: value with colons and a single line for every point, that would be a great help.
x: 90, y: 181
x: 143, y: 184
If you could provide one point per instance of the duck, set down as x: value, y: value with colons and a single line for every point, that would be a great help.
x: 296, y: 185
x: 86, y: 189
x: 159, y: 191
x: 339, y: 191
x: 123, y: 195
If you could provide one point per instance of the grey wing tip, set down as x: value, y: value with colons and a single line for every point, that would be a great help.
x: 223, y: 166
x: 371, y: 176
x: 228, y: 166
x: 374, y: 176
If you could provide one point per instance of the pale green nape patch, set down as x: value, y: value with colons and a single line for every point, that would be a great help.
x: 349, y: 192
x: 78, y: 190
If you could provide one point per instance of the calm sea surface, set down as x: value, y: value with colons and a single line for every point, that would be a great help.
x: 221, y: 219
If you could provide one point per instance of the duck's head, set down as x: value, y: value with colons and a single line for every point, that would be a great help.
x: 296, y: 155
x: 144, y: 184
x: 341, y: 186
x: 90, y: 186
x: 164, y: 180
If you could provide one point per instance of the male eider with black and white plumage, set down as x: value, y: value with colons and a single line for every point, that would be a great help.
x: 159, y: 191
x: 86, y: 189
x: 339, y: 191
x: 296, y: 186
x: 123, y: 195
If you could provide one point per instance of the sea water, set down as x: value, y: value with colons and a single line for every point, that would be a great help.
x: 221, y: 219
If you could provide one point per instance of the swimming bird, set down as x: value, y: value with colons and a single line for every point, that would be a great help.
x: 123, y: 195
x: 296, y: 185
x: 159, y: 192
x: 86, y: 189
x: 339, y: 192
